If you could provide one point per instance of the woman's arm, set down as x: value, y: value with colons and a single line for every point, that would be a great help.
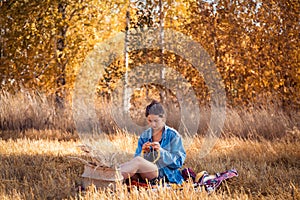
x: 143, y: 143
x: 172, y: 154
x: 139, y: 148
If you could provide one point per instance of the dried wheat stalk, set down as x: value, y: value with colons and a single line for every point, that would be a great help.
x: 100, y: 158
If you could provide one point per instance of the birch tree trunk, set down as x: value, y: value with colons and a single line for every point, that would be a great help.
x: 127, y: 89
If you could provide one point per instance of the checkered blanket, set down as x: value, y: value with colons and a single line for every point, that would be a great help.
x: 199, y: 180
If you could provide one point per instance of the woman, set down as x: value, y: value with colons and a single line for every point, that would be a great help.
x: 159, y: 137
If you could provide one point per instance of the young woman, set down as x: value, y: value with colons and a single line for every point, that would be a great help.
x: 159, y: 140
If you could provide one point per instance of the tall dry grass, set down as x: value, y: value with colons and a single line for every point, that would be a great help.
x: 28, y: 110
x: 33, y: 110
x: 46, y: 169
x: 38, y: 143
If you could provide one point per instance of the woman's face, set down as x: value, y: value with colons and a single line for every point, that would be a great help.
x: 155, y: 122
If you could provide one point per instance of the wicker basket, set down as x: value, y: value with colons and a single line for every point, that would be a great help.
x: 101, y: 177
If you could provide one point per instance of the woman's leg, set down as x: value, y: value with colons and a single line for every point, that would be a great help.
x: 146, y: 169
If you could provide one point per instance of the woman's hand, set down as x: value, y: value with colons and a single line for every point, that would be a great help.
x: 155, y: 145
x: 146, y: 147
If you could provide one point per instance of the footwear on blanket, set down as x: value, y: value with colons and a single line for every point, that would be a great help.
x: 200, y: 176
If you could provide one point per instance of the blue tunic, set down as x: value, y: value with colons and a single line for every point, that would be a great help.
x: 172, y: 153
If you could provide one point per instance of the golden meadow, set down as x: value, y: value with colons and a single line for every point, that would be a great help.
x: 39, y: 144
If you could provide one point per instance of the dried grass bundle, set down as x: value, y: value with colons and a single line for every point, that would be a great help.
x: 100, y: 158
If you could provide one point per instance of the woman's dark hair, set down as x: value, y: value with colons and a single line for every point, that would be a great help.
x: 155, y: 108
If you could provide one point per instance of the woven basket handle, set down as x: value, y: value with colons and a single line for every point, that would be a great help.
x: 158, y: 156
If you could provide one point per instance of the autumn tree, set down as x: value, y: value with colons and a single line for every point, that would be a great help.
x: 254, y: 44
x: 44, y: 43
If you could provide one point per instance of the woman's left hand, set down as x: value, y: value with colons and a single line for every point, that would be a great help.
x: 155, y: 145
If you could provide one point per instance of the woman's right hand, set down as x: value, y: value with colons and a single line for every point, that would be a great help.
x: 146, y: 147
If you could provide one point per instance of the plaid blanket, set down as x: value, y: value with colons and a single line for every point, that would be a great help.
x: 199, y: 180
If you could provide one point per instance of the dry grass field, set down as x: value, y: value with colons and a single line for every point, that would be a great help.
x: 37, y: 161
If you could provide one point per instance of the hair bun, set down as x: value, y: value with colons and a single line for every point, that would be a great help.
x: 155, y: 108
